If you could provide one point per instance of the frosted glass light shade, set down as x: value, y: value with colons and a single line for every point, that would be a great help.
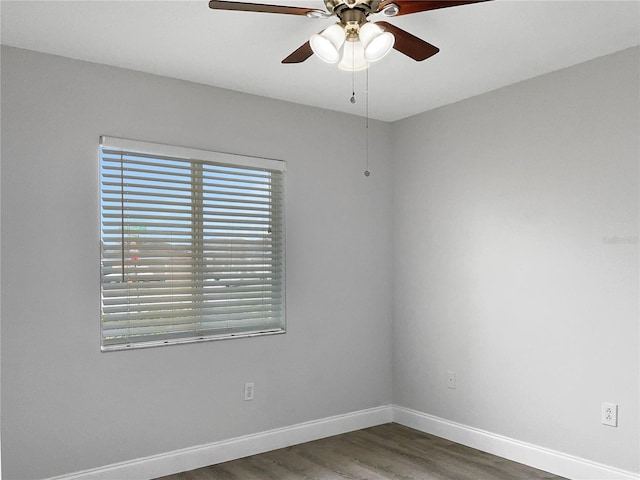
x: 326, y: 45
x: 377, y: 43
x: 353, y: 57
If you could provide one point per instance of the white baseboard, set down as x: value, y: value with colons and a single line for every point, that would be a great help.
x: 200, y: 456
x: 541, y: 458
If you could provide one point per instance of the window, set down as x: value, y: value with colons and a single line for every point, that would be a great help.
x: 192, y: 245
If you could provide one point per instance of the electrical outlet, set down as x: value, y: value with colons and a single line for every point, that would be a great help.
x: 249, y: 391
x: 451, y: 379
x: 610, y: 414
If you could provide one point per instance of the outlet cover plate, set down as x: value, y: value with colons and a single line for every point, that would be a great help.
x: 610, y: 414
x: 249, y: 391
x: 451, y: 379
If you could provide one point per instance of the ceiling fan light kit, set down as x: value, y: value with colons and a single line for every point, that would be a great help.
x: 360, y: 40
x: 360, y: 46
x: 353, y: 57
x: 327, y: 45
x: 376, y: 42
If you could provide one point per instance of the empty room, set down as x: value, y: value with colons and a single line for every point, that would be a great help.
x: 307, y: 239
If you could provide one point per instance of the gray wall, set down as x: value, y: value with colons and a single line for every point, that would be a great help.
x: 502, y: 268
x: 505, y: 266
x: 68, y: 407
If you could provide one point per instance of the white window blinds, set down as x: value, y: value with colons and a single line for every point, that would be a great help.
x: 192, y: 245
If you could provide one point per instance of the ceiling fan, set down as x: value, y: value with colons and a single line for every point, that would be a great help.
x: 354, y: 41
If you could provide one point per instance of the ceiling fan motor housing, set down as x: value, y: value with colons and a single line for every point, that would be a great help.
x: 339, y: 6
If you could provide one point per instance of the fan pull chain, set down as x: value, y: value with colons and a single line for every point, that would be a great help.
x: 366, y: 97
x: 353, y: 82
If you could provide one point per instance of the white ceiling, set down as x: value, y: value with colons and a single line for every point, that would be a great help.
x: 483, y: 46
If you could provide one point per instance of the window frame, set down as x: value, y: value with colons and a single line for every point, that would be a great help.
x: 197, y: 157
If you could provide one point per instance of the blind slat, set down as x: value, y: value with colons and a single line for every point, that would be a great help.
x: 184, y: 177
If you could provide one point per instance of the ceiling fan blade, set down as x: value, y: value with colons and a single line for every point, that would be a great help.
x: 300, y: 55
x: 408, y: 44
x: 258, y: 7
x: 405, y: 7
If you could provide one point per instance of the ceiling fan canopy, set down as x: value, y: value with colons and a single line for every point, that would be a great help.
x: 354, y: 42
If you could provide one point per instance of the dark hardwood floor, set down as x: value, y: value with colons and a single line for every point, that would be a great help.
x: 384, y: 452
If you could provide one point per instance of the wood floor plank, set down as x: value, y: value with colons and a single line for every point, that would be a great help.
x: 384, y: 452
